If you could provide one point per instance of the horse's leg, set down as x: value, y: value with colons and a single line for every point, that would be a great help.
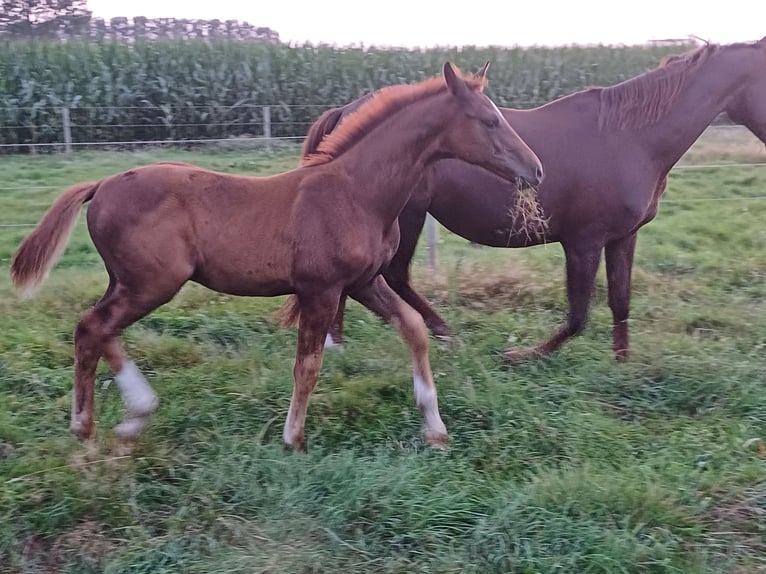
x: 317, y: 312
x: 379, y: 298
x: 619, y: 264
x: 96, y: 335
x: 334, y: 339
x: 397, y: 275
x: 582, y: 265
x: 138, y: 396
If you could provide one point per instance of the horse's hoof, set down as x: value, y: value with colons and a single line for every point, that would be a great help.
x: 622, y: 355
x: 83, y: 431
x: 519, y: 355
x: 440, y: 331
x: 131, y: 427
x: 516, y: 355
x: 299, y: 447
x: 437, y: 440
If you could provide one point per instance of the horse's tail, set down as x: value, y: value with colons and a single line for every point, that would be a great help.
x: 290, y: 312
x: 318, y: 130
x: 42, y: 248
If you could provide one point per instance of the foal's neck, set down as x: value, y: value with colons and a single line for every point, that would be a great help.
x: 387, y: 164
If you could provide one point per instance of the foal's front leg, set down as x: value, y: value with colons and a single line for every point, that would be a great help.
x: 379, y: 298
x: 397, y: 275
x: 317, y: 313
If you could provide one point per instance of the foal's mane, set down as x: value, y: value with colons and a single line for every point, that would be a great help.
x: 383, y: 103
x: 643, y: 100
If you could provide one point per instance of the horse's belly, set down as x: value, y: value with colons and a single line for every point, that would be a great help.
x: 268, y: 279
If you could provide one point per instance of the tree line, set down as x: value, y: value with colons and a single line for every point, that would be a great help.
x: 71, y: 19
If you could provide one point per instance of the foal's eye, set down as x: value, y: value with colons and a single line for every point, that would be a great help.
x: 491, y: 122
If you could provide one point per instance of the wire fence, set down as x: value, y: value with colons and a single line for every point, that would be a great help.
x: 36, y: 129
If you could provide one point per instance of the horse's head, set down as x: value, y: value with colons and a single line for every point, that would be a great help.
x: 477, y: 132
x: 747, y: 107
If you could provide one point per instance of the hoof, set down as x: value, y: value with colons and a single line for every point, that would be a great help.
x: 83, y: 431
x: 440, y: 331
x: 299, y: 447
x: 519, y: 355
x: 621, y: 355
x: 437, y: 440
x: 131, y: 427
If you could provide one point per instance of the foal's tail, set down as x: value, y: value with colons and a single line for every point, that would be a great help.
x: 290, y: 312
x: 318, y: 130
x: 42, y: 248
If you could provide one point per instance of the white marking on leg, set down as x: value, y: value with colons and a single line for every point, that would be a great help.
x: 329, y: 343
x: 75, y: 424
x: 291, y: 431
x: 425, y: 398
x: 139, y: 398
x: 131, y: 427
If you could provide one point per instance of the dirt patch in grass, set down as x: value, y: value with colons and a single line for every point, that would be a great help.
x: 85, y: 544
x: 482, y: 288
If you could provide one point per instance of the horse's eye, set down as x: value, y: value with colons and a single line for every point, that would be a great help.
x: 491, y: 122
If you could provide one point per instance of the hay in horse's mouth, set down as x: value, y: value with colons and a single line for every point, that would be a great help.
x: 527, y: 216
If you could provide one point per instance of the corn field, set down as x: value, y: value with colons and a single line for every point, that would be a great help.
x: 166, y: 90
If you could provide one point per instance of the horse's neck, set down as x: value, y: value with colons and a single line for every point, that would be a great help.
x: 703, y: 98
x: 386, y: 164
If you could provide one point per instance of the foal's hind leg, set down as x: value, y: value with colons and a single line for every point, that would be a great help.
x: 582, y: 265
x: 96, y: 335
x: 139, y: 397
x: 619, y: 264
x: 382, y: 300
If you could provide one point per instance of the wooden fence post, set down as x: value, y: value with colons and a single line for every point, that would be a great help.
x: 267, y: 123
x: 66, y: 123
x: 432, y: 238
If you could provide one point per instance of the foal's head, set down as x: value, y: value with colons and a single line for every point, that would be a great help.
x: 748, y: 105
x: 479, y: 134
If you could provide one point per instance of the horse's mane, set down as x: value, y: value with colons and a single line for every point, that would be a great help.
x: 374, y: 111
x: 323, y: 125
x: 643, y: 100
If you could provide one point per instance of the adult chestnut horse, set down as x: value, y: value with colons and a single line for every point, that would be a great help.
x: 607, y: 153
x: 319, y: 231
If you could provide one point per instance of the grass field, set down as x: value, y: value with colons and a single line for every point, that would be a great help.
x: 570, y: 464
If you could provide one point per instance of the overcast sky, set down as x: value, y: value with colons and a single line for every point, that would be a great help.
x: 478, y: 22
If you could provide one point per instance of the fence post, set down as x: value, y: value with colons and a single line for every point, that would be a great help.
x: 267, y: 123
x: 65, y: 122
x: 432, y: 238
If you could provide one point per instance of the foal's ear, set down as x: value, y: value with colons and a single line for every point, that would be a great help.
x: 483, y: 72
x: 455, y: 84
